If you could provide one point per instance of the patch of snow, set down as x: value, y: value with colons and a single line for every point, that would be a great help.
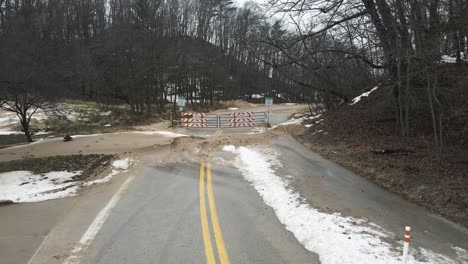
x: 257, y: 130
x: 290, y: 103
x: 162, y: 133
x: 366, y: 94
x: 107, y: 125
x: 8, y: 132
x: 84, y: 136
x: 233, y: 108
x: 297, y: 119
x: 8, y: 121
x: 24, y: 186
x: 292, y: 121
x: 461, y: 253
x: 105, y: 113
x: 309, y: 125
x: 229, y: 148
x: 121, y: 164
x: 448, y: 59
x: 39, y: 116
x: 118, y: 165
x: 41, y: 133
x: 336, y: 238
x: 453, y: 58
x: 257, y: 96
x: 102, y: 180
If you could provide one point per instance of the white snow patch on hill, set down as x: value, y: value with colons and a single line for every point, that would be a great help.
x: 335, y: 238
x: 366, y: 94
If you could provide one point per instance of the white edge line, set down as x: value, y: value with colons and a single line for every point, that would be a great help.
x: 96, y: 225
x: 38, y: 249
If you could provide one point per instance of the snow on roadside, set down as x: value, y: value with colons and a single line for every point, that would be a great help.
x: 102, y: 180
x: 121, y: 164
x: 25, y: 186
x: 462, y: 253
x: 292, y: 121
x: 366, y: 94
x: 335, y: 238
x: 297, y: 119
x: 85, y: 136
x: 162, y: 133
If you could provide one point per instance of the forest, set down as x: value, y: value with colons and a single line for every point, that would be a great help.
x: 146, y: 52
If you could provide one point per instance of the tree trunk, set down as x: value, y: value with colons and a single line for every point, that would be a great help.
x: 27, y: 134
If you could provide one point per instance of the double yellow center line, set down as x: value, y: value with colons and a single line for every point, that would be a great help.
x: 218, y: 132
x: 209, y: 253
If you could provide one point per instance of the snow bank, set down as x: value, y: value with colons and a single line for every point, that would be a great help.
x: 24, y: 186
x: 292, y: 121
x: 229, y: 148
x: 297, y: 119
x: 118, y: 165
x: 233, y: 108
x: 462, y: 253
x: 121, y: 164
x: 162, y: 133
x: 337, y: 239
x: 102, y: 180
x: 84, y: 136
x: 366, y: 94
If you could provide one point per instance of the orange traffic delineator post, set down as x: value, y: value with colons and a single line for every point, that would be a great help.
x: 406, y: 241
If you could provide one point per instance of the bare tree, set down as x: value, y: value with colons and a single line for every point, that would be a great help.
x: 24, y: 103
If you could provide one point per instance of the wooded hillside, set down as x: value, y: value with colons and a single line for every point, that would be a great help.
x: 146, y: 52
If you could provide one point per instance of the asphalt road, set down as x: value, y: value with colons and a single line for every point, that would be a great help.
x: 189, y: 213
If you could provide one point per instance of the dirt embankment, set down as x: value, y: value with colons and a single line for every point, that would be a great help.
x: 358, y: 139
